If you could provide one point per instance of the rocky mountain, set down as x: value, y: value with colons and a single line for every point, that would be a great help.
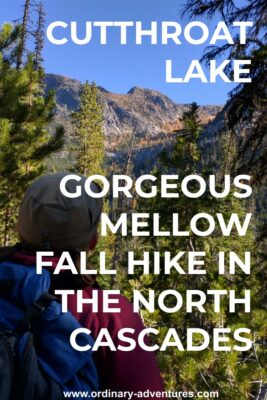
x: 152, y: 117
x: 148, y: 113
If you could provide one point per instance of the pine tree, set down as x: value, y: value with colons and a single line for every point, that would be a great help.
x: 88, y: 122
x: 231, y: 373
x: 119, y: 207
x: 186, y: 150
x: 89, y: 152
x: 9, y: 35
x: 245, y: 111
x: 39, y: 35
x: 23, y: 33
x: 25, y: 141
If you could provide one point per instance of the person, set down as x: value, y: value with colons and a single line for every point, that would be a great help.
x: 49, y: 221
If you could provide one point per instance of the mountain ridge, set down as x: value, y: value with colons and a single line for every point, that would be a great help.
x: 146, y: 112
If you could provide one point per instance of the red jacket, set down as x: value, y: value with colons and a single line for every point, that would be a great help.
x: 134, y: 370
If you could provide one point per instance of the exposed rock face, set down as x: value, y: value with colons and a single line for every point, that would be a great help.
x: 148, y: 113
x: 151, y: 116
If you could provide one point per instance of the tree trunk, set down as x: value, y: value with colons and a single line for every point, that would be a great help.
x: 23, y: 34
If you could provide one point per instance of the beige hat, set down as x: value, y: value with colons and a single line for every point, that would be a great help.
x: 49, y: 220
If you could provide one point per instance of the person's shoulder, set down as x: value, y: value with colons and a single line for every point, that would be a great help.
x: 124, y: 317
x: 104, y: 295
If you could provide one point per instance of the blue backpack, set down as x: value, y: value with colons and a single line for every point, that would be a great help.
x: 37, y: 361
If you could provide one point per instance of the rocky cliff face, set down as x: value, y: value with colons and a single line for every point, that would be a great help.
x: 148, y: 113
x: 152, y: 117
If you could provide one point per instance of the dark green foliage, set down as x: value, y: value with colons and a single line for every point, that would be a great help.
x: 231, y: 373
x: 88, y: 122
x: 23, y: 35
x: 8, y: 41
x: 25, y: 141
x: 89, y: 153
x: 39, y: 35
x: 185, y: 150
x: 245, y: 112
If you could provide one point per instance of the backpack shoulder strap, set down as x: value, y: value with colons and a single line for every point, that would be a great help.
x: 35, y: 311
x: 7, y: 251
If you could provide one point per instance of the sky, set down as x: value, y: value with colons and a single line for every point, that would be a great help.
x: 118, y: 68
